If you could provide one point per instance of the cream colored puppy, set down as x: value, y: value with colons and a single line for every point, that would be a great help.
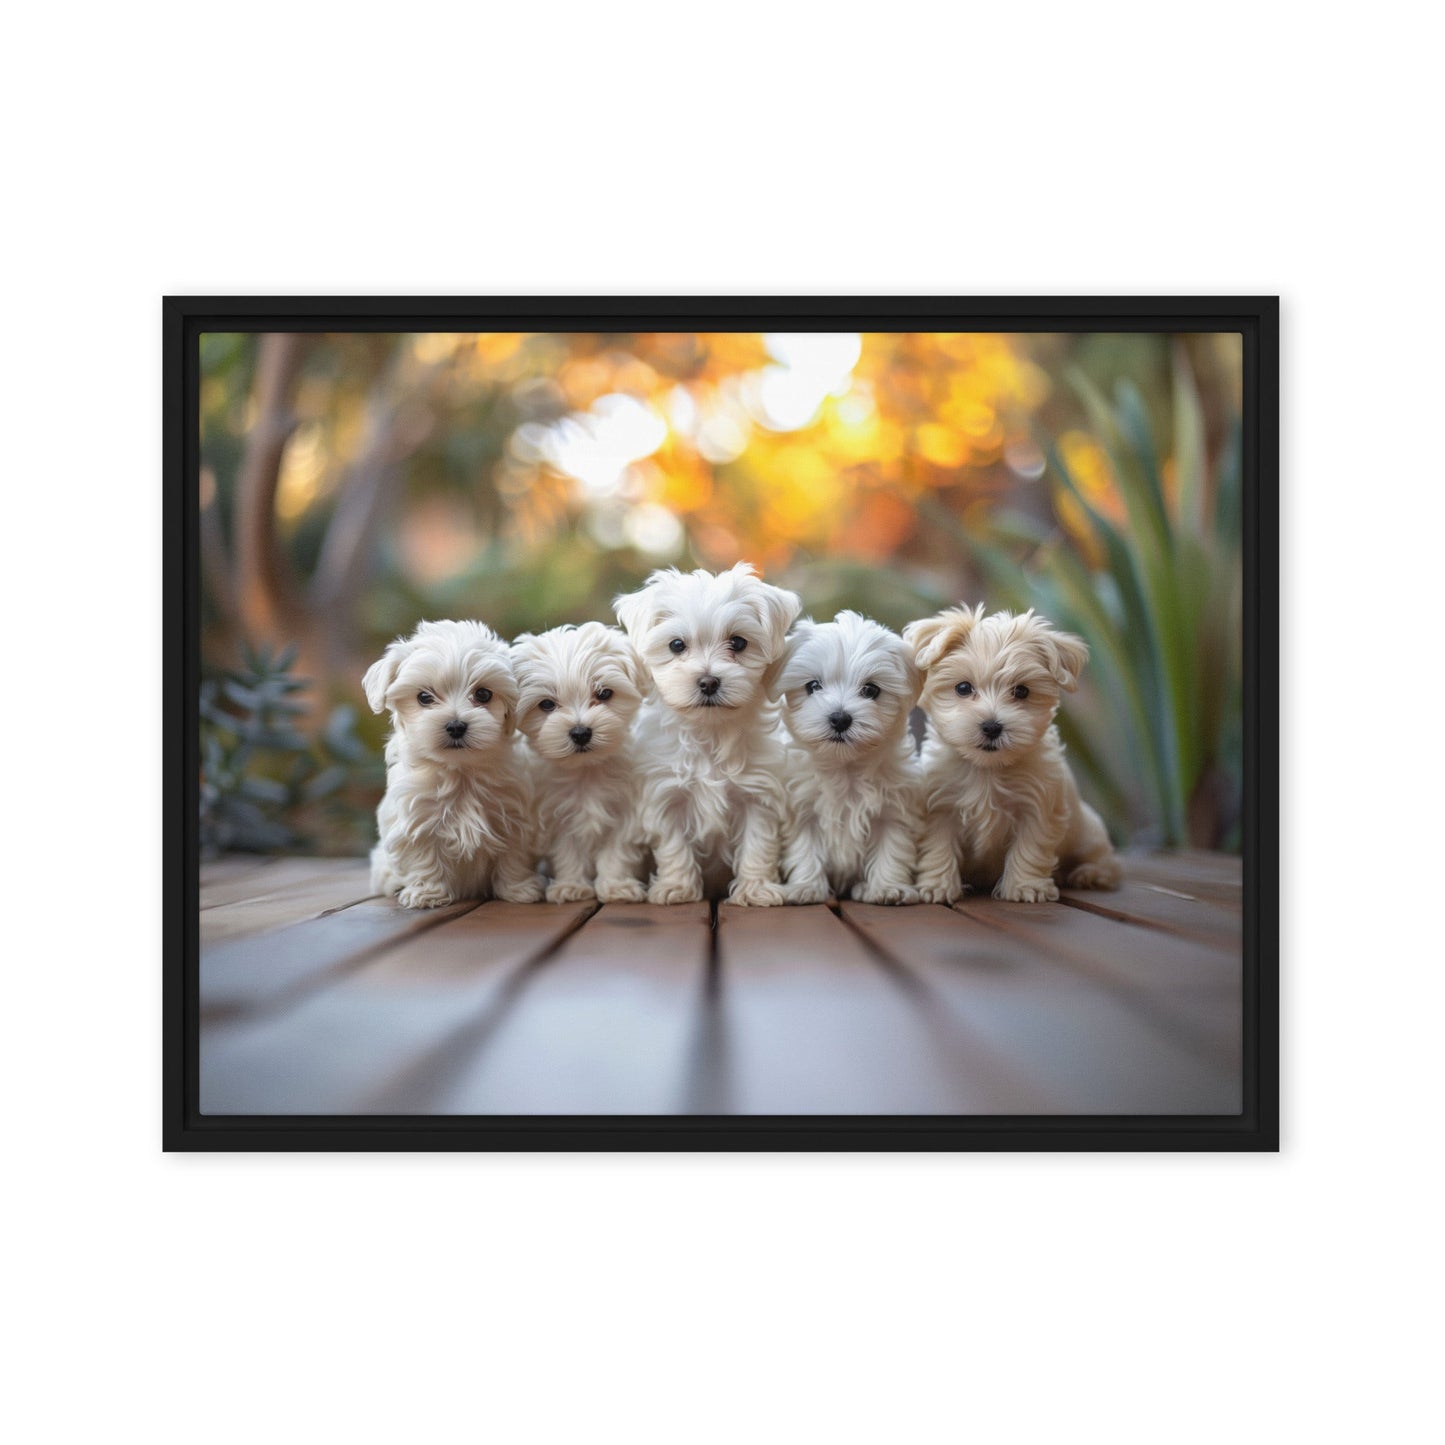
x: 1004, y: 811
x: 713, y: 798
x: 579, y: 688
x: 855, y: 800
x: 456, y: 818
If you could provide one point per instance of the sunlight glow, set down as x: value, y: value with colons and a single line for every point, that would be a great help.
x: 811, y: 366
x: 652, y: 528
x: 596, y: 447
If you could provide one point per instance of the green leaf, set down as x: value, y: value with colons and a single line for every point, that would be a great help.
x: 264, y: 790
x: 326, y: 782
x: 1189, y: 460
x: 1144, y: 504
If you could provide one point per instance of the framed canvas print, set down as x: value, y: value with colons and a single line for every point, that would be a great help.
x: 721, y: 723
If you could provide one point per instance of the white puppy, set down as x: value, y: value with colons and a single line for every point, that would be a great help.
x: 1004, y: 811
x: 456, y: 818
x: 579, y: 688
x: 855, y: 800
x: 713, y: 798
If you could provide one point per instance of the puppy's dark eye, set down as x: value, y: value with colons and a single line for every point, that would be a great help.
x: 869, y: 689
x: 964, y: 689
x: 546, y: 705
x: 678, y: 645
x: 1021, y: 692
x: 425, y: 698
x: 481, y: 696
x: 813, y: 686
x: 738, y: 644
x: 603, y: 693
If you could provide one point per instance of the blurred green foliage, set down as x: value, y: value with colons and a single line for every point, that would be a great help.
x: 265, y: 783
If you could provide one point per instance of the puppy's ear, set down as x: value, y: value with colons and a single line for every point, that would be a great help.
x: 633, y: 664
x: 523, y: 648
x: 618, y: 646
x: 1066, y: 655
x: 382, y: 673
x: 776, y: 671
x: 913, y: 679
x: 778, y: 609
x: 930, y: 637
x: 636, y: 611
x: 508, y: 695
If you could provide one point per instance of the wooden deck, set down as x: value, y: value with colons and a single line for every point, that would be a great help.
x: 316, y: 999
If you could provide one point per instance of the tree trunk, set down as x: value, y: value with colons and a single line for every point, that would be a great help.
x: 267, y: 596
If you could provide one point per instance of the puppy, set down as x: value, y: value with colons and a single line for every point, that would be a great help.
x: 456, y: 818
x: 855, y: 801
x: 1004, y: 811
x: 713, y: 798
x: 579, y: 688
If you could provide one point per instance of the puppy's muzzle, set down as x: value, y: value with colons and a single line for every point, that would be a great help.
x: 708, y: 685
x: 456, y: 730
x: 580, y: 736
x: 992, y: 729
x: 840, y: 721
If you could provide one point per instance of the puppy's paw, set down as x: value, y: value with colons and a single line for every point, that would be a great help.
x: 570, y: 892
x: 672, y: 890
x: 804, y: 893
x: 423, y: 895
x: 1100, y: 873
x: 622, y: 890
x: 946, y: 890
x: 527, y: 890
x: 756, y: 893
x: 889, y: 893
x: 1028, y: 890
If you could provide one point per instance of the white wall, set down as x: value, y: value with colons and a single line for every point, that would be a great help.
x: 749, y: 148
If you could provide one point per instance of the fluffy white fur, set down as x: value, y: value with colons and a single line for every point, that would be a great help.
x: 578, y: 691
x: 711, y: 752
x: 855, y: 800
x: 1004, y: 811
x: 456, y: 818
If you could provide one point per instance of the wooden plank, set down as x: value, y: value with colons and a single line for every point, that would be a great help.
x: 1211, y: 877
x: 1072, y: 1046
x: 811, y: 1020
x: 387, y: 1036
x: 1173, y: 910
x: 306, y: 897
x: 1194, y: 991
x: 268, y: 970
x: 215, y: 871
x: 612, y: 1022
x: 278, y: 875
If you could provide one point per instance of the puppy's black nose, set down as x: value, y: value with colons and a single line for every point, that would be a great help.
x: 991, y: 729
x: 580, y: 735
x: 841, y: 721
x: 456, y: 728
x: 708, y: 685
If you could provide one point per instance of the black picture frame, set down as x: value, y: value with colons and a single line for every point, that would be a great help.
x: 1256, y: 1128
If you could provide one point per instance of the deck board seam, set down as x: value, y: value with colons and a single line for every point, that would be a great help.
x: 281, y: 1000
x: 475, y: 1031
x: 1180, y: 1030
x: 1115, y: 915
x: 981, y: 1054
